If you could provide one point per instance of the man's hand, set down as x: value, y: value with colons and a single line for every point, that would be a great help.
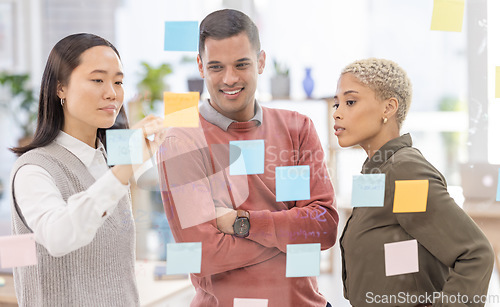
x: 225, y: 219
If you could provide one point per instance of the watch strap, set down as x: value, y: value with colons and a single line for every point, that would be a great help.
x: 242, y: 213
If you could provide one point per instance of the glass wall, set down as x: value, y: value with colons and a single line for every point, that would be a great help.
x: 322, y: 35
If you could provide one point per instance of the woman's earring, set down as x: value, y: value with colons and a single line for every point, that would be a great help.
x: 62, y: 102
x: 385, y: 120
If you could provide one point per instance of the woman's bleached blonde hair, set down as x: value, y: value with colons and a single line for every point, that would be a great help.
x: 387, y: 79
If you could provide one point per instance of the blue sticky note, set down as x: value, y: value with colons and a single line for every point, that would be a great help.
x: 124, y: 146
x: 183, y: 258
x: 292, y: 183
x: 246, y: 157
x: 368, y: 190
x: 181, y: 36
x: 498, y: 186
x: 303, y: 260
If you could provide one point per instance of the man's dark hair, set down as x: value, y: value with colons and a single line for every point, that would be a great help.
x: 227, y: 23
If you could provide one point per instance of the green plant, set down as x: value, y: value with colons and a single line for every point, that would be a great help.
x: 22, y: 103
x: 453, y: 141
x: 152, y: 84
x: 281, y: 69
x: 451, y: 104
x: 188, y: 59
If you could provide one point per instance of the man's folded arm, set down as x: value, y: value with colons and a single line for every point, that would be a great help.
x: 308, y: 221
x: 190, y: 193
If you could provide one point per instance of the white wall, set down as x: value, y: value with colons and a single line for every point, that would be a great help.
x: 493, y: 26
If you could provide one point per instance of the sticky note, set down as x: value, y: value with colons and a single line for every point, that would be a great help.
x: 221, y: 153
x: 181, y: 36
x: 194, y: 201
x: 448, y: 15
x: 18, y: 251
x: 124, y: 146
x: 497, y: 82
x: 293, y: 183
x: 247, y: 158
x: 181, y: 109
x: 410, y: 196
x: 183, y: 258
x: 250, y: 302
x: 401, y: 257
x: 303, y: 259
x: 368, y: 190
x: 498, y: 186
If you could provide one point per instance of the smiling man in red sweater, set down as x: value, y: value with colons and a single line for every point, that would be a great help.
x: 243, y: 228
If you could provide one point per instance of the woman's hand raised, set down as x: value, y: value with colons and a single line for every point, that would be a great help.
x: 151, y: 126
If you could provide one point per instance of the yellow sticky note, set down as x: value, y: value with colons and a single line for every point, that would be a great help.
x: 448, y: 15
x: 497, y: 82
x: 181, y: 109
x: 410, y: 196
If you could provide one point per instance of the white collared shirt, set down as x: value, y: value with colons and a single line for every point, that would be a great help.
x: 62, y: 227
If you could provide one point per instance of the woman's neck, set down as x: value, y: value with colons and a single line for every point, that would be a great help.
x: 380, y: 140
x: 88, y: 136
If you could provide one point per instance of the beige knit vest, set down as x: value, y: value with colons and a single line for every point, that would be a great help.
x: 98, y: 274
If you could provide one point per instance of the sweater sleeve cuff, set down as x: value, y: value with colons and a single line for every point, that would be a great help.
x: 260, y: 226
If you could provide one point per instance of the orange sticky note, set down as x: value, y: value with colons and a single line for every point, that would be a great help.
x: 448, y: 15
x: 497, y: 82
x: 17, y: 251
x: 181, y: 109
x: 410, y: 196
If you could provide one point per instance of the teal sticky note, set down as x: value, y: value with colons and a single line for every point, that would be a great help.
x: 246, y: 157
x: 183, y: 258
x: 293, y: 183
x: 498, y: 186
x: 181, y: 36
x: 124, y: 146
x: 368, y: 190
x: 303, y: 260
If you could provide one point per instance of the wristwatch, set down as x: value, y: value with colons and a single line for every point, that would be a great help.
x: 241, y: 225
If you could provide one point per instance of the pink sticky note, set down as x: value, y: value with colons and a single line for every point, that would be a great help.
x: 401, y: 257
x: 250, y: 302
x: 194, y: 200
x: 17, y: 250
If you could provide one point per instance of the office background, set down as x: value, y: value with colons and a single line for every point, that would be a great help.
x: 454, y: 117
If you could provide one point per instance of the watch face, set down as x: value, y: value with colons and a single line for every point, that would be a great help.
x: 241, y: 227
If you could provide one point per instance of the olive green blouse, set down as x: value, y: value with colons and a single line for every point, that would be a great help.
x: 455, y: 258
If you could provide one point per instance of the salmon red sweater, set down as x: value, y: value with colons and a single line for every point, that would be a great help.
x: 195, y: 178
